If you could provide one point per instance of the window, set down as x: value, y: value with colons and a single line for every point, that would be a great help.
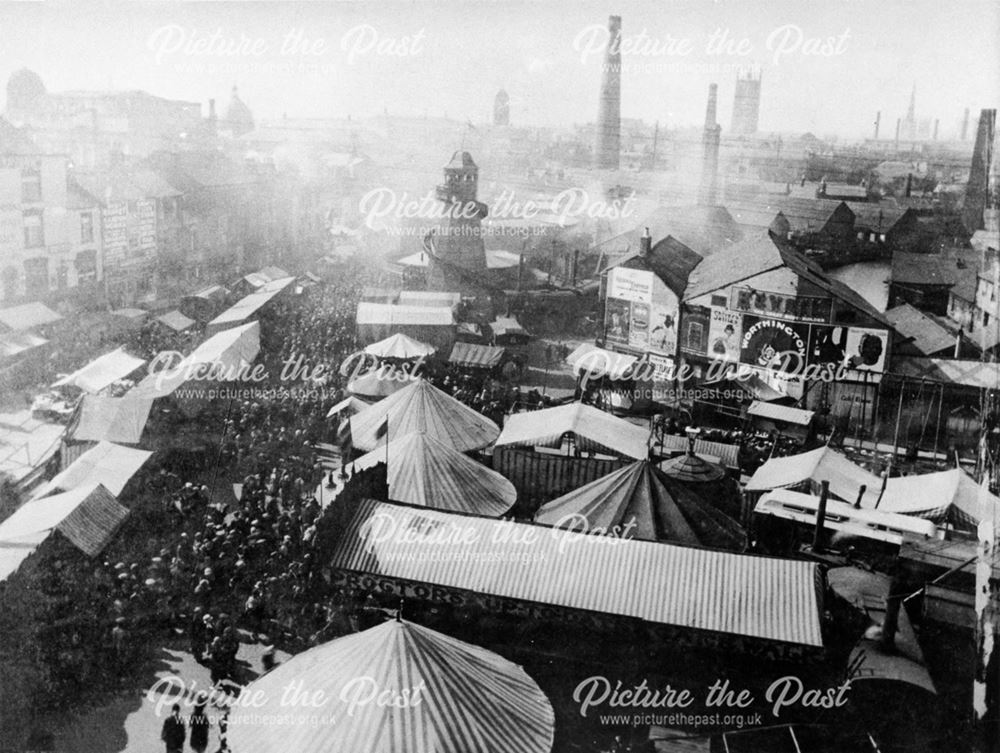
x: 34, y: 235
x: 87, y: 227
x: 986, y: 319
x: 31, y: 184
x: 719, y: 300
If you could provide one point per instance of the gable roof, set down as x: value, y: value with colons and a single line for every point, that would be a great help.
x: 923, y: 269
x: 927, y: 335
x: 668, y: 259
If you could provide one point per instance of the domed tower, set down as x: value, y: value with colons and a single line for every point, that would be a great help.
x: 24, y: 90
x: 458, y: 240
x: 239, y: 119
x: 501, y: 109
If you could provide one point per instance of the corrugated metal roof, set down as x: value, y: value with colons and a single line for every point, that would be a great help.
x: 638, y: 501
x: 27, y: 316
x: 591, y: 428
x: 102, y: 372
x: 700, y: 589
x: 399, y: 346
x: 108, y: 464
x: 461, y: 698
x: 112, y: 419
x: 927, y: 335
x: 780, y: 413
x: 389, y: 314
x: 424, y: 471
x: 423, y: 407
x: 476, y: 356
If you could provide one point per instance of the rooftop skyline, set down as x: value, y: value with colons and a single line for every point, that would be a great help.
x: 826, y: 68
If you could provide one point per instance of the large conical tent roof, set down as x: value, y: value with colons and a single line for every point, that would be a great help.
x: 423, y: 407
x: 692, y: 469
x: 640, y: 502
x: 459, y: 698
x: 399, y: 346
x: 426, y: 472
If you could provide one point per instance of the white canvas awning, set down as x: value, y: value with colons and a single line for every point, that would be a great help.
x: 102, y: 372
x: 248, y: 306
x: 110, y: 465
x: 598, y: 362
x: 27, y: 316
x: 111, y: 419
x: 591, y: 428
x: 223, y: 357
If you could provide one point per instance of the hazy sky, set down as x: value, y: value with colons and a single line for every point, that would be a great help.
x: 451, y: 57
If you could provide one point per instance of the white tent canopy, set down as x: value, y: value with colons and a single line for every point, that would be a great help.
x: 399, y: 346
x: 102, y: 372
x: 108, y: 464
x: 592, y: 429
x: 462, y: 698
x: 224, y: 356
x: 424, y: 471
x: 115, y: 419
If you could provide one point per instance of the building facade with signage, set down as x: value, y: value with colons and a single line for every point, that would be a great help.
x: 760, y: 308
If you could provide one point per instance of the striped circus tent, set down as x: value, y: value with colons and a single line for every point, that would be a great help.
x: 692, y: 469
x: 395, y: 688
x: 399, y: 346
x: 639, y: 502
x: 423, y: 407
x: 424, y: 471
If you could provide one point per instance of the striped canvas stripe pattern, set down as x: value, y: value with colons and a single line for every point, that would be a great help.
x: 458, y: 698
x: 700, y: 589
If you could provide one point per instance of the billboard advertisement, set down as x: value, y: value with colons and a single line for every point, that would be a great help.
x: 694, y: 330
x: 772, y: 344
x: 640, y: 312
x: 725, y: 331
x: 859, y: 348
x: 617, y: 317
x: 781, y: 306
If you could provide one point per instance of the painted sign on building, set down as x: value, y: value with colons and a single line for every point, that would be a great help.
x: 859, y: 348
x: 781, y: 306
x: 640, y: 312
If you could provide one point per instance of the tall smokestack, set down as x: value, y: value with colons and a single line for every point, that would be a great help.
x: 710, y: 151
x: 878, y: 122
x: 608, y: 143
x: 899, y: 123
x: 977, y: 191
x: 965, y: 125
x: 937, y: 124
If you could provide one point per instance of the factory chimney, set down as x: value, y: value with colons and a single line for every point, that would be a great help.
x: 710, y: 151
x: 878, y: 121
x: 608, y: 141
x: 937, y: 124
x: 965, y: 125
x: 899, y: 123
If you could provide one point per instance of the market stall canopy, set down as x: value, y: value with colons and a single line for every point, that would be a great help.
x: 726, y: 454
x: 476, y: 356
x: 399, y: 346
x: 388, y: 314
x: 349, y: 406
x: 504, y: 326
x: 134, y: 317
x: 112, y: 419
x: 599, y: 362
x: 248, y: 306
x: 87, y: 515
x: 102, y: 372
x: 591, y: 428
x: 433, y: 298
x: 780, y: 413
x: 462, y: 698
x: 380, y: 383
x: 226, y: 354
x: 108, y: 464
x: 424, y: 471
x: 27, y: 316
x: 637, y: 501
x: 423, y: 407
x: 766, y: 598
x: 15, y: 551
x: 944, y: 497
x: 15, y: 343
x: 175, y: 320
